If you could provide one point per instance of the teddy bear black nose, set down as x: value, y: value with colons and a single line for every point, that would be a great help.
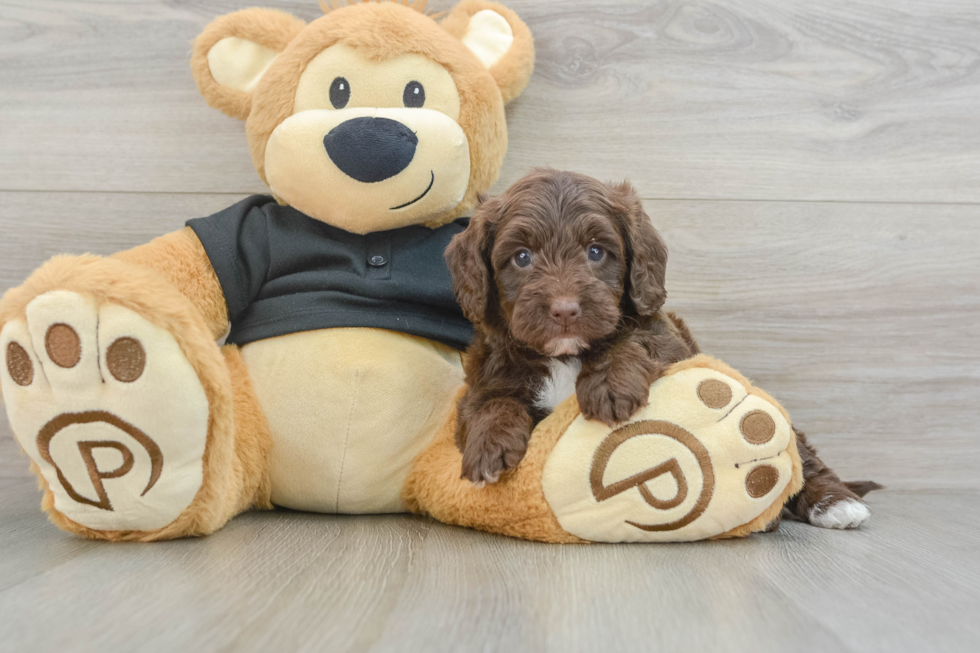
x: 371, y: 149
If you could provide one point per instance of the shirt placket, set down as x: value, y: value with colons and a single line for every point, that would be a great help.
x: 379, y: 256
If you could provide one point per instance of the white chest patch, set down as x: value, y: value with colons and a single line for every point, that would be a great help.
x: 559, y: 384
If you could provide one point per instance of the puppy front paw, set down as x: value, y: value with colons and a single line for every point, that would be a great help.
x: 611, y: 398
x: 496, y: 442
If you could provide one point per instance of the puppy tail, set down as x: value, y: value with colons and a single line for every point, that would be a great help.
x: 861, y: 488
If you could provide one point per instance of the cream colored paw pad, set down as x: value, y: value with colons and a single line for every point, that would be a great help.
x: 108, y: 407
x: 702, y: 458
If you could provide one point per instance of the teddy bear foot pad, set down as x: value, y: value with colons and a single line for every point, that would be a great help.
x: 109, y: 409
x: 651, y: 479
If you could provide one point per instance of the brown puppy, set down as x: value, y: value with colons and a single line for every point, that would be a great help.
x: 563, y: 278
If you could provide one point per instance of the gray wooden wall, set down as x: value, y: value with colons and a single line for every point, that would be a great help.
x: 814, y: 166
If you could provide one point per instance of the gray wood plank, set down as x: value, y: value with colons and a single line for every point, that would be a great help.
x: 29, y: 544
x: 862, y: 319
x: 13, y: 462
x: 780, y: 99
x: 37, y: 226
x: 906, y: 605
x: 799, y: 589
x: 907, y: 581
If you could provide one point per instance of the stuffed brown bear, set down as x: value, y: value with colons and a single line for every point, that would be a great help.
x: 375, y: 127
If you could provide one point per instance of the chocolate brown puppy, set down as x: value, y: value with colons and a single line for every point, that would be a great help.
x: 563, y: 278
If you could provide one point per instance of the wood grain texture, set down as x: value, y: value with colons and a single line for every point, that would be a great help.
x: 750, y: 99
x: 908, y: 581
x: 862, y: 319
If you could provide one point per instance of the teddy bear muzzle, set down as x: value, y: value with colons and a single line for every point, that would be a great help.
x: 367, y: 169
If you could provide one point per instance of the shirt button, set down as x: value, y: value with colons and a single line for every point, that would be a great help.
x: 377, y: 261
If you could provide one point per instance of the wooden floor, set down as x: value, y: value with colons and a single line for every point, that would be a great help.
x: 815, y: 169
x: 907, y: 581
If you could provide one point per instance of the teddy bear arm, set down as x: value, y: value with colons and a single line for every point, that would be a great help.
x: 180, y: 257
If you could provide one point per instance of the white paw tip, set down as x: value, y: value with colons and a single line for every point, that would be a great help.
x: 849, y: 513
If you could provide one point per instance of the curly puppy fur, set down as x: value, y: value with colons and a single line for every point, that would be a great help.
x: 563, y: 277
x: 528, y: 327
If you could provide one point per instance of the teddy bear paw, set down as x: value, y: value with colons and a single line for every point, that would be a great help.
x: 704, y: 457
x: 108, y: 408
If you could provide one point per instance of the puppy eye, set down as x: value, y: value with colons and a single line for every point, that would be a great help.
x: 596, y: 253
x: 414, y: 95
x: 339, y: 93
x: 522, y: 259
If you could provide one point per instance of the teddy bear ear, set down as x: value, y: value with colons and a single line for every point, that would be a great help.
x: 232, y: 53
x: 498, y: 38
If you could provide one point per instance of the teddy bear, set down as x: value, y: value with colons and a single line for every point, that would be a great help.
x: 375, y: 127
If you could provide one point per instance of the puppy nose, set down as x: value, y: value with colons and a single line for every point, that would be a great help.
x: 371, y: 149
x: 565, y: 310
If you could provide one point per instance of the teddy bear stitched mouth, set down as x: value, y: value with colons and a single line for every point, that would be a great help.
x: 424, y: 193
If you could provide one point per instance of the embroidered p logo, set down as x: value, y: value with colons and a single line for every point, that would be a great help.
x: 706, y: 456
x: 86, y: 449
x: 640, y: 480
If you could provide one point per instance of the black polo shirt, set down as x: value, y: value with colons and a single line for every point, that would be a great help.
x: 283, y: 272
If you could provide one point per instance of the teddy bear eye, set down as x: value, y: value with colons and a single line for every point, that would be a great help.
x: 414, y: 95
x: 339, y: 93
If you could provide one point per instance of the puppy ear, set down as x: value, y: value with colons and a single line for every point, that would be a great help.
x: 468, y: 258
x: 234, y: 51
x: 498, y: 38
x: 646, y: 255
